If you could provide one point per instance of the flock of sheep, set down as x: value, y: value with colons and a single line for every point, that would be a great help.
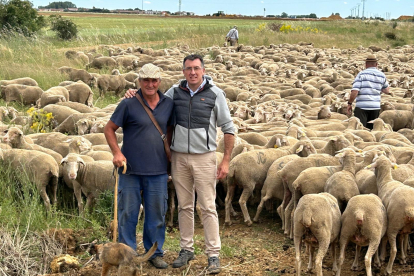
x: 295, y: 144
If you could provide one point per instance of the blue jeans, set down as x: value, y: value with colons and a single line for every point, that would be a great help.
x: 155, y: 195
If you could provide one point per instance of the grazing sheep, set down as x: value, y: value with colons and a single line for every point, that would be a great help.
x: 77, y: 106
x: 27, y: 95
x: 93, y: 177
x: 102, y: 62
x: 53, y: 95
x: 273, y: 185
x: 24, y: 81
x: 397, y: 199
x: 41, y: 167
x: 78, y: 75
x: 342, y: 184
x: 70, y: 124
x: 249, y: 171
x: 16, y: 139
x: 81, y: 93
x: 115, y: 83
x: 364, y: 222
x: 398, y: 119
x: 317, y: 222
x: 289, y: 174
x: 60, y: 113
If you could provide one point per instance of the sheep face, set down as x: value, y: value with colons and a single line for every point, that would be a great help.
x: 13, y: 136
x: 71, y: 164
x: 83, y: 126
x: 79, y: 144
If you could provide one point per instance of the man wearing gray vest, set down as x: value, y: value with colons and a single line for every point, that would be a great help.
x: 366, y: 89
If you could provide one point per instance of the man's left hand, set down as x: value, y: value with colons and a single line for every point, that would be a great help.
x: 222, y: 170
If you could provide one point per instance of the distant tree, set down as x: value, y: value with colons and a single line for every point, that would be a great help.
x: 284, y: 15
x: 312, y: 15
x: 20, y: 16
x: 337, y: 13
x: 59, y: 5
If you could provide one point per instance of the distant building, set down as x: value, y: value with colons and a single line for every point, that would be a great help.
x: 405, y: 18
x: 72, y: 9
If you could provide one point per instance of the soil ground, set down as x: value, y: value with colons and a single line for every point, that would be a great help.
x: 261, y: 249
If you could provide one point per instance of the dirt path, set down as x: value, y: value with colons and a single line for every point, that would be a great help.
x: 258, y: 250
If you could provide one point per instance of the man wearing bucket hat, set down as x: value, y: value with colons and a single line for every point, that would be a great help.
x: 366, y: 89
x: 233, y: 36
x: 143, y: 151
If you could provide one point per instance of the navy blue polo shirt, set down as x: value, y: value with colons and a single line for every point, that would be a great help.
x: 142, y: 143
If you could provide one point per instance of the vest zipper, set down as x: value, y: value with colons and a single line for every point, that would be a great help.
x: 189, y: 122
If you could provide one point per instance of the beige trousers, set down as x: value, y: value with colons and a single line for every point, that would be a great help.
x: 196, y: 173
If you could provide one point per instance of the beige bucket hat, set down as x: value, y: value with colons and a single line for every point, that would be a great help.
x: 371, y: 58
x: 150, y: 71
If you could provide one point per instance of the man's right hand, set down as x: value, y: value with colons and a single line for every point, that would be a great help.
x: 349, y: 109
x: 130, y: 93
x: 119, y: 158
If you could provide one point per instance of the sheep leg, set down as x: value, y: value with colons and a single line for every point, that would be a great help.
x: 228, y: 200
x: 297, y: 242
x: 260, y: 208
x: 311, y: 250
x: 287, y: 195
x: 323, y: 248
x: 45, y: 198
x: 171, y: 205
x: 404, y: 244
x: 141, y: 210
x: 355, y: 263
x: 383, y: 248
x: 334, y: 253
x: 342, y: 246
x: 89, y: 202
x: 54, y: 189
x: 372, y: 248
x: 377, y: 261
x: 77, y: 189
x: 393, y: 251
x: 242, y: 201
x: 199, y: 214
x: 280, y: 213
x: 288, y: 219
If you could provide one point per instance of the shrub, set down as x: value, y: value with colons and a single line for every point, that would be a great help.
x: 41, y: 120
x: 19, y: 16
x: 64, y: 28
x: 394, y: 24
x: 390, y: 35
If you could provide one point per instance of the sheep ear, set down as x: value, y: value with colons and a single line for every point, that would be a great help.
x: 68, y: 141
x: 278, y: 143
x: 371, y: 122
x: 64, y: 160
x: 394, y: 166
x: 80, y: 160
x: 299, y: 149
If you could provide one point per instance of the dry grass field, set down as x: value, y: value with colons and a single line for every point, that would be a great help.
x: 29, y: 237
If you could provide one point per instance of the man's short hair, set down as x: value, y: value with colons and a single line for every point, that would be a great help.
x: 193, y: 57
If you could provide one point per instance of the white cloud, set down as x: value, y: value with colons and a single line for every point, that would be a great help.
x: 262, y: 2
x: 147, y: 2
x: 345, y: 3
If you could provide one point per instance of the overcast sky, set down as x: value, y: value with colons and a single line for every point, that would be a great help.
x: 256, y: 7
